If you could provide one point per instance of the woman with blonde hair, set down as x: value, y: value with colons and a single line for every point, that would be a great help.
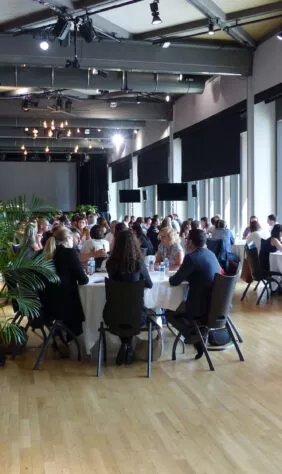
x: 62, y: 301
x: 169, y: 248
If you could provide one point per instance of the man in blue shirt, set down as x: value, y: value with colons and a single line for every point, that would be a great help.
x: 198, y: 268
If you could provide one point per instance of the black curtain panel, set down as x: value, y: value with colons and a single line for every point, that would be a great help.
x: 211, y: 148
x: 153, y: 167
x: 93, y: 182
x: 121, y: 169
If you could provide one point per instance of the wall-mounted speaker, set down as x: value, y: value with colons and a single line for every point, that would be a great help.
x: 194, y: 191
x: 144, y: 195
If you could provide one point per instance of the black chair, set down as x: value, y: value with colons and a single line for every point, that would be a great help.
x: 259, y: 275
x: 57, y: 328
x: 123, y: 315
x: 218, y: 316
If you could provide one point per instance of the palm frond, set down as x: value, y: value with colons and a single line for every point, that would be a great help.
x: 10, y: 332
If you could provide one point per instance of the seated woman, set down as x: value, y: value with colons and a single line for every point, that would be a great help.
x: 169, y: 248
x: 275, y: 239
x: 205, y: 224
x: 97, y: 242
x: 184, y: 232
x: 255, y: 235
x: 247, y: 230
x: 83, y: 229
x: 62, y: 301
x: 42, y: 227
x: 143, y: 241
x: 84, y: 257
x: 29, y: 242
x: 125, y: 265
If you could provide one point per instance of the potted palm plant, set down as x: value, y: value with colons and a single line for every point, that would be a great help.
x: 21, y: 276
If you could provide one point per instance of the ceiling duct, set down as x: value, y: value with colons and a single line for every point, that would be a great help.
x: 60, y: 78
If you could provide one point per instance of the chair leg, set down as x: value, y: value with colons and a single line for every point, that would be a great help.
x: 256, y: 287
x: 229, y: 329
x: 262, y: 293
x: 105, y: 347
x: 44, y: 348
x: 73, y: 336
x: 203, y: 345
x: 240, y: 339
x: 100, y: 351
x: 150, y: 346
x: 176, y: 341
x: 246, y: 291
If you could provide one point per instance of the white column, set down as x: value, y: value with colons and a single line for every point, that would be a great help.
x: 137, y: 207
x: 113, y: 195
x: 265, y: 161
x: 250, y: 144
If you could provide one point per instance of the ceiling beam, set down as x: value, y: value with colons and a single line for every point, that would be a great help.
x: 131, y: 56
x: 210, y: 9
x: 27, y: 121
x: 40, y: 144
x: 201, y: 25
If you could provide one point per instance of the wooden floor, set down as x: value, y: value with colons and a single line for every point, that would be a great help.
x: 64, y: 420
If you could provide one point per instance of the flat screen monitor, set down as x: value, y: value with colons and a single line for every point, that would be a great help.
x: 172, y: 192
x: 130, y: 195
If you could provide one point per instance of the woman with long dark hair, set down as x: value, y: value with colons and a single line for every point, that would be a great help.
x: 142, y: 239
x: 125, y: 265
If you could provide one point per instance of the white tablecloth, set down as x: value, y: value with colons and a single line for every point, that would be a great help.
x: 93, y: 298
x: 239, y: 248
x: 275, y: 262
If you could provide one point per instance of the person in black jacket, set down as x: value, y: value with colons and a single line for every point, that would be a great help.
x: 153, y: 232
x: 125, y: 265
x: 62, y: 301
x: 143, y: 240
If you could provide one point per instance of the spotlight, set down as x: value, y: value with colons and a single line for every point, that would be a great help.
x: 167, y: 98
x: 78, y: 130
x: 44, y: 45
x: 50, y: 133
x: 68, y: 107
x: 279, y: 36
x: 86, y: 30
x: 61, y: 29
x: 35, y: 131
x: 180, y: 77
x: 155, y: 13
x: 23, y: 148
x: 25, y: 153
x: 87, y: 131
x: 86, y: 158
x: 211, y: 28
x: 45, y: 124
x: 166, y: 44
x: 95, y: 71
x: 59, y: 103
x: 25, y: 105
x: 75, y: 149
x: 26, y: 129
x: 90, y: 146
x: 69, y: 133
x: 117, y: 139
x: 135, y: 132
x: 113, y: 105
x: 66, y: 123
x: 99, y: 130
x: 68, y: 157
x: 47, y: 149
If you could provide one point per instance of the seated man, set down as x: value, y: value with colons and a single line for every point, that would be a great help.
x: 198, y: 268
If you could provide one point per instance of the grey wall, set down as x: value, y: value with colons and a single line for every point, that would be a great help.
x: 54, y: 182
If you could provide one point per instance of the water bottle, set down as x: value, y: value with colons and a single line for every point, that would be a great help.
x: 92, y: 266
x: 162, y: 271
x: 166, y: 264
x: 89, y: 267
x: 151, y: 265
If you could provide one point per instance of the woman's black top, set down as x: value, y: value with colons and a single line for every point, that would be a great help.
x: 62, y: 301
x: 142, y: 274
x: 146, y: 244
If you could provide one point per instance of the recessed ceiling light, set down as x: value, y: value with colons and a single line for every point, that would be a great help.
x: 167, y: 98
x: 166, y: 44
x: 44, y: 45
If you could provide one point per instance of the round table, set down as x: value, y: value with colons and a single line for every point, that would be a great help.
x: 275, y: 262
x: 93, y: 299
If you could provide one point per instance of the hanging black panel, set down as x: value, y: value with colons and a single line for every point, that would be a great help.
x: 153, y: 164
x: 93, y: 182
x: 120, y: 170
x: 211, y: 148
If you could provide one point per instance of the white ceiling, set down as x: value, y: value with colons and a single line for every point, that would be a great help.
x: 229, y: 6
x: 15, y: 8
x: 137, y: 18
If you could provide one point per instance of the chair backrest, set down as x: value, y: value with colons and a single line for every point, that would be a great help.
x: 253, y: 262
x: 265, y: 249
x: 124, y: 306
x: 221, y: 299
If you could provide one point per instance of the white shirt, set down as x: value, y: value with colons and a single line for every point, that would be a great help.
x: 95, y: 244
x: 110, y: 238
x: 255, y: 238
